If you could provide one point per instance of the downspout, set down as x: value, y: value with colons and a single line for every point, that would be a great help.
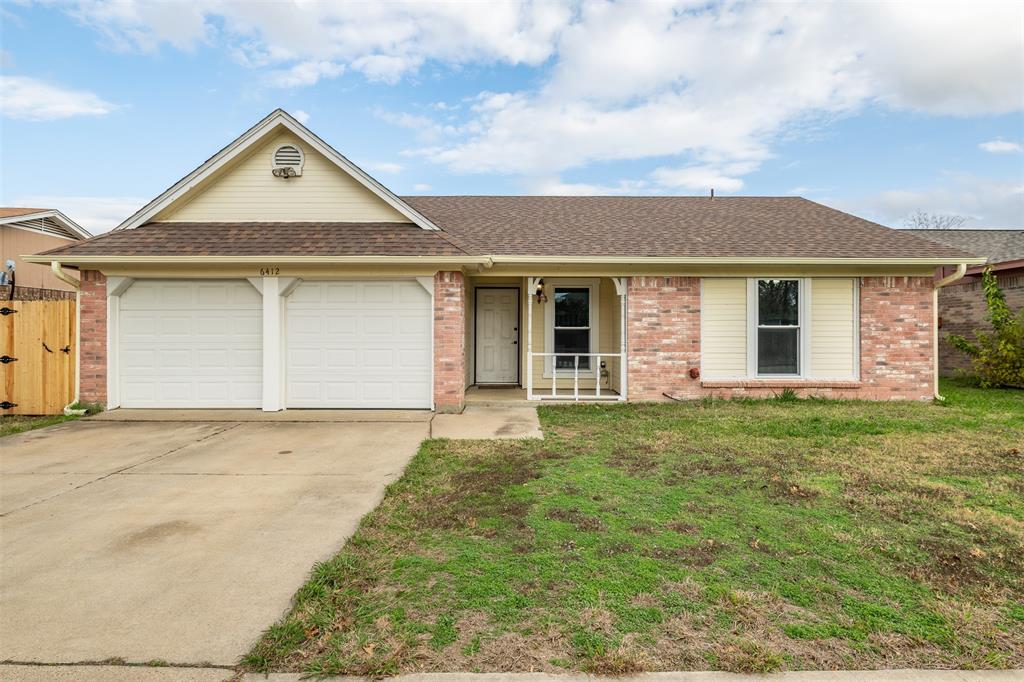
x: 77, y: 286
x: 961, y: 270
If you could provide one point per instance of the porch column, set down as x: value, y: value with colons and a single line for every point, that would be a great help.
x: 449, y: 341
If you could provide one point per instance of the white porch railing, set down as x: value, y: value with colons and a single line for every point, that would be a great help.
x: 562, y: 372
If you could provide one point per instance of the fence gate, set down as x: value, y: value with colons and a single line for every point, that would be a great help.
x: 37, y: 356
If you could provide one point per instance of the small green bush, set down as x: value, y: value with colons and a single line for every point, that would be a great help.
x: 997, y: 356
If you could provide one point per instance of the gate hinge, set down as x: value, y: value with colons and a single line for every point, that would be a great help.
x: 7, y: 311
x: 7, y: 405
x: 7, y: 358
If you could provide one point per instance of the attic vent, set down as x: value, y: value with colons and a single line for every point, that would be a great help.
x: 288, y: 161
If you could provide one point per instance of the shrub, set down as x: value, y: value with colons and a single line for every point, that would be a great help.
x: 997, y: 356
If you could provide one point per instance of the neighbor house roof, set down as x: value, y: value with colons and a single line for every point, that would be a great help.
x: 998, y: 246
x: 741, y: 228
x: 46, y: 220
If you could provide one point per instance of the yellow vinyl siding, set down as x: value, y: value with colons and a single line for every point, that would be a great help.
x: 832, y: 327
x: 247, y: 191
x: 724, y: 328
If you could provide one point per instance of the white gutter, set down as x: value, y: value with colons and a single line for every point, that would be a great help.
x: 77, y: 286
x: 961, y: 270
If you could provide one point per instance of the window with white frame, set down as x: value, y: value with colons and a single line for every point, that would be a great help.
x: 571, y: 322
x: 779, y: 326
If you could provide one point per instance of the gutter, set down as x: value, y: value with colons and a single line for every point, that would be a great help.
x: 961, y: 270
x: 59, y: 273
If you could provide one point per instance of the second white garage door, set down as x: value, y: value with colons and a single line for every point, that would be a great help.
x: 359, y: 344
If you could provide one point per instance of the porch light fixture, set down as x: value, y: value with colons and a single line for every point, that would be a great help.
x: 541, y: 296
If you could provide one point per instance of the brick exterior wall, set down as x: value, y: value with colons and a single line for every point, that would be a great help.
x: 895, y: 333
x: 449, y: 341
x: 962, y: 309
x: 92, y: 352
x: 663, y: 337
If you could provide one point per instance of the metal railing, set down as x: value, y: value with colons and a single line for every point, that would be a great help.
x: 557, y: 372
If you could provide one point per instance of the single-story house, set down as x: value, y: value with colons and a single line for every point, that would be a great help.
x: 280, y: 275
x: 962, y: 308
x: 30, y: 230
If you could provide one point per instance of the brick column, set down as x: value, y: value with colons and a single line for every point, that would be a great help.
x: 449, y: 341
x: 663, y: 336
x: 896, y: 357
x: 92, y: 352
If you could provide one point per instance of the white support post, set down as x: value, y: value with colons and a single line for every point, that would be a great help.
x: 272, y: 332
x: 597, y: 372
x: 576, y: 378
x: 531, y: 285
x: 620, y: 287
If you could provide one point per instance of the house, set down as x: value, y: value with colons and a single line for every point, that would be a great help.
x: 962, y: 305
x: 30, y: 230
x: 280, y: 275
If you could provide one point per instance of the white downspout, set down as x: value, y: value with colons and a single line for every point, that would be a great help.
x: 77, y: 286
x: 961, y: 270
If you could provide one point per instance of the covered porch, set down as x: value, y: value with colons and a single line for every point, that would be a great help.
x: 545, y: 338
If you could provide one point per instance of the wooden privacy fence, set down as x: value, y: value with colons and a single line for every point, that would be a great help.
x: 38, y: 354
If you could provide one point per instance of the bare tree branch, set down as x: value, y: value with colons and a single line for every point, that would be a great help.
x: 923, y: 220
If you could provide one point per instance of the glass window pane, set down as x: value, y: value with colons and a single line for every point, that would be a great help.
x: 572, y: 307
x: 778, y: 302
x: 572, y: 341
x: 778, y: 351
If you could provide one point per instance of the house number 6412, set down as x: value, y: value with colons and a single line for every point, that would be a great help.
x: 270, y: 272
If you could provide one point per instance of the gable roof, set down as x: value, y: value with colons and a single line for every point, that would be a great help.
x: 47, y: 220
x: 998, y: 246
x: 773, y: 230
x: 278, y: 118
x: 669, y: 227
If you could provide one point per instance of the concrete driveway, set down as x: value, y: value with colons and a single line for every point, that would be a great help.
x: 177, y: 541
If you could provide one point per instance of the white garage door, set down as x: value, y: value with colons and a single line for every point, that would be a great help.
x: 359, y: 344
x: 190, y: 343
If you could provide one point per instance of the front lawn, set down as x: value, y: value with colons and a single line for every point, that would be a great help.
x: 13, y: 423
x: 748, y: 536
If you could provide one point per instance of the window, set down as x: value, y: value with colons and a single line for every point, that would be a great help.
x: 572, y: 325
x: 778, y: 327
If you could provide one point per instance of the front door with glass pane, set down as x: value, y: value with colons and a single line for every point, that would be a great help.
x: 497, y: 336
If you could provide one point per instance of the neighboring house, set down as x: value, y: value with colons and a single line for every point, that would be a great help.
x: 962, y: 305
x: 278, y: 275
x: 31, y: 230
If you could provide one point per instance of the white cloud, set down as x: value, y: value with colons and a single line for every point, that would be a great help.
x: 29, y: 99
x: 304, y: 74
x: 1001, y: 147
x: 96, y: 214
x: 421, y: 187
x: 301, y: 116
x: 985, y: 202
x: 386, y: 167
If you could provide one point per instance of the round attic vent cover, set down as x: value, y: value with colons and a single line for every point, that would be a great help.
x: 288, y: 160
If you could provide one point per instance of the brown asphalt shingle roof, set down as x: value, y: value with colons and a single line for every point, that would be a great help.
x: 10, y: 212
x: 631, y: 227
x: 260, y: 239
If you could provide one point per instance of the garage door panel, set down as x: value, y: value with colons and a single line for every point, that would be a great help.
x: 371, y: 348
x: 190, y: 343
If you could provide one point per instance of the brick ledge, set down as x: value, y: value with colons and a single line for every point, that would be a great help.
x: 780, y: 383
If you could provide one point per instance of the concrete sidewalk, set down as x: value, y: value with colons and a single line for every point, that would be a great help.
x: 101, y: 673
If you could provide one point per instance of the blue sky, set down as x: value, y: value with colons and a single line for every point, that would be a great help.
x: 877, y: 109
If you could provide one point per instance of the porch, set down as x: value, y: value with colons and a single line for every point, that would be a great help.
x: 545, y: 339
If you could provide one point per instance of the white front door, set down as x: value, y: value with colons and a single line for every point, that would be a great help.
x: 497, y: 336
x: 359, y: 344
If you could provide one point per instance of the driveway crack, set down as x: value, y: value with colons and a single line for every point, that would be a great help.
x: 122, y: 469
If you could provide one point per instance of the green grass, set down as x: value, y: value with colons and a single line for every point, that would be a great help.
x: 11, y: 424
x: 735, y: 535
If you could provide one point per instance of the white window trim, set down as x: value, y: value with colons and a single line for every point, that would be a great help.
x: 803, y: 333
x: 594, y: 285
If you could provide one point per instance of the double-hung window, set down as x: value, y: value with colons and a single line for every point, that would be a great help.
x: 779, y: 327
x: 572, y: 325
